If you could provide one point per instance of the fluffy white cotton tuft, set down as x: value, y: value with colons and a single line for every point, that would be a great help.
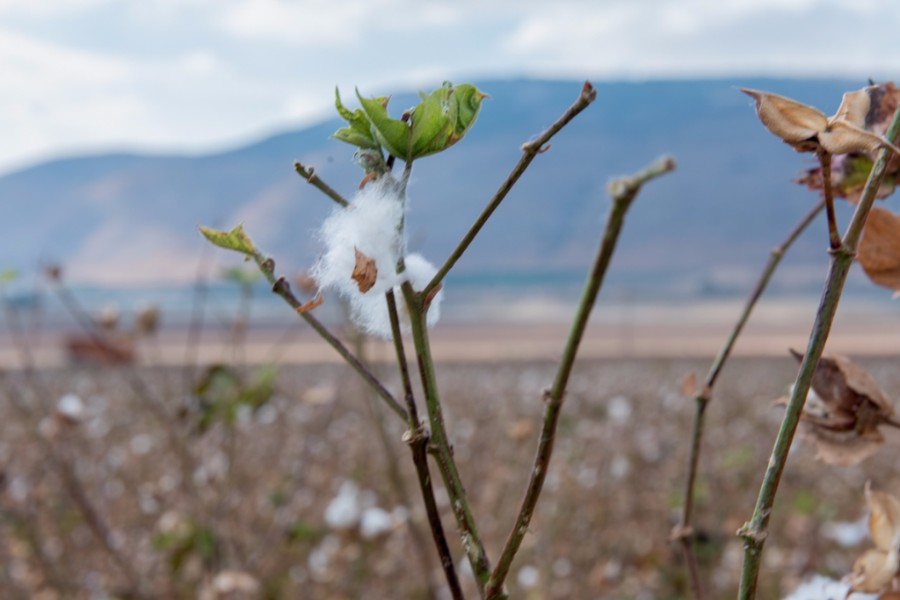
x: 370, y: 224
x: 819, y: 587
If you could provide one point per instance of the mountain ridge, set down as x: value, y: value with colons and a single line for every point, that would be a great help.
x: 130, y: 218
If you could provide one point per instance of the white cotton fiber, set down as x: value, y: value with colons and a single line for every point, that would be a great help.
x: 370, y: 224
x: 823, y: 588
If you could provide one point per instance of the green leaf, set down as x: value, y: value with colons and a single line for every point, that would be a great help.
x: 468, y: 100
x: 432, y: 122
x: 359, y: 132
x: 392, y: 134
x: 236, y: 239
x: 443, y: 117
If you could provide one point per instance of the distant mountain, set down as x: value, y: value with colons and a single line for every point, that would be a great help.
x: 129, y: 218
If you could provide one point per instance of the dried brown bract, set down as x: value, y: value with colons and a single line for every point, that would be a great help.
x: 310, y: 304
x: 875, y: 571
x: 365, y: 271
x: 843, y: 415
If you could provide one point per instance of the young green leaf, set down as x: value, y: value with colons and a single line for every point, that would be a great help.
x: 432, y: 122
x: 236, y: 239
x: 392, y: 134
x: 443, y: 117
x: 468, y: 100
x: 359, y: 132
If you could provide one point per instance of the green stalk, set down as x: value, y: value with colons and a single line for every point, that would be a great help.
x: 755, y: 531
x: 440, y: 443
x: 623, y: 192
x: 417, y: 438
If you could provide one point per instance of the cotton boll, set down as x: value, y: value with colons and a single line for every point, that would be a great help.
x: 369, y: 224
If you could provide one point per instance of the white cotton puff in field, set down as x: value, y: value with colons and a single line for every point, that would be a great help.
x: 819, y: 587
x: 370, y: 225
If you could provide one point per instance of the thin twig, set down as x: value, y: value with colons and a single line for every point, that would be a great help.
x: 417, y: 437
x: 281, y: 287
x: 623, y: 192
x: 309, y: 174
x: 754, y: 532
x: 834, y: 238
x: 529, y: 151
x: 683, y: 532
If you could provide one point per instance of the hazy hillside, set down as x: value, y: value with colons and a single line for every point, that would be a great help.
x: 133, y: 218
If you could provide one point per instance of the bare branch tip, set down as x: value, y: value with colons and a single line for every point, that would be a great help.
x: 588, y: 92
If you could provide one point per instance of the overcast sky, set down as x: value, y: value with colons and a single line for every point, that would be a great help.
x: 196, y: 75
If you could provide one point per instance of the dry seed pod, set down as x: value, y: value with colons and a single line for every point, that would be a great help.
x: 844, y: 412
x: 807, y: 129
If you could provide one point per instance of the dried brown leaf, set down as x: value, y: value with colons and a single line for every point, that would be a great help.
x: 792, y: 121
x: 873, y: 572
x: 689, y: 384
x: 884, y: 518
x: 879, y: 248
x: 365, y: 271
x: 841, y: 137
x: 855, y: 106
x: 311, y: 303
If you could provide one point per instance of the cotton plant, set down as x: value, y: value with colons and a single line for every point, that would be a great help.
x: 397, y: 295
x: 365, y: 255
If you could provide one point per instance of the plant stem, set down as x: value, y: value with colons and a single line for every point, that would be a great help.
x: 834, y: 238
x: 754, y: 532
x: 529, y: 151
x: 683, y: 532
x: 417, y: 438
x: 310, y: 176
x: 440, y: 443
x: 623, y: 192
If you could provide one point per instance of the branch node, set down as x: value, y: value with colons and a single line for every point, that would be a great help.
x: 281, y: 286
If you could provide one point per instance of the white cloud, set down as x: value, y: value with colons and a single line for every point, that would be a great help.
x: 306, y: 23
x: 47, y: 8
x: 188, y: 74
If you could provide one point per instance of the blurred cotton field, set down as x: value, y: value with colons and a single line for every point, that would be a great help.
x: 298, y: 495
